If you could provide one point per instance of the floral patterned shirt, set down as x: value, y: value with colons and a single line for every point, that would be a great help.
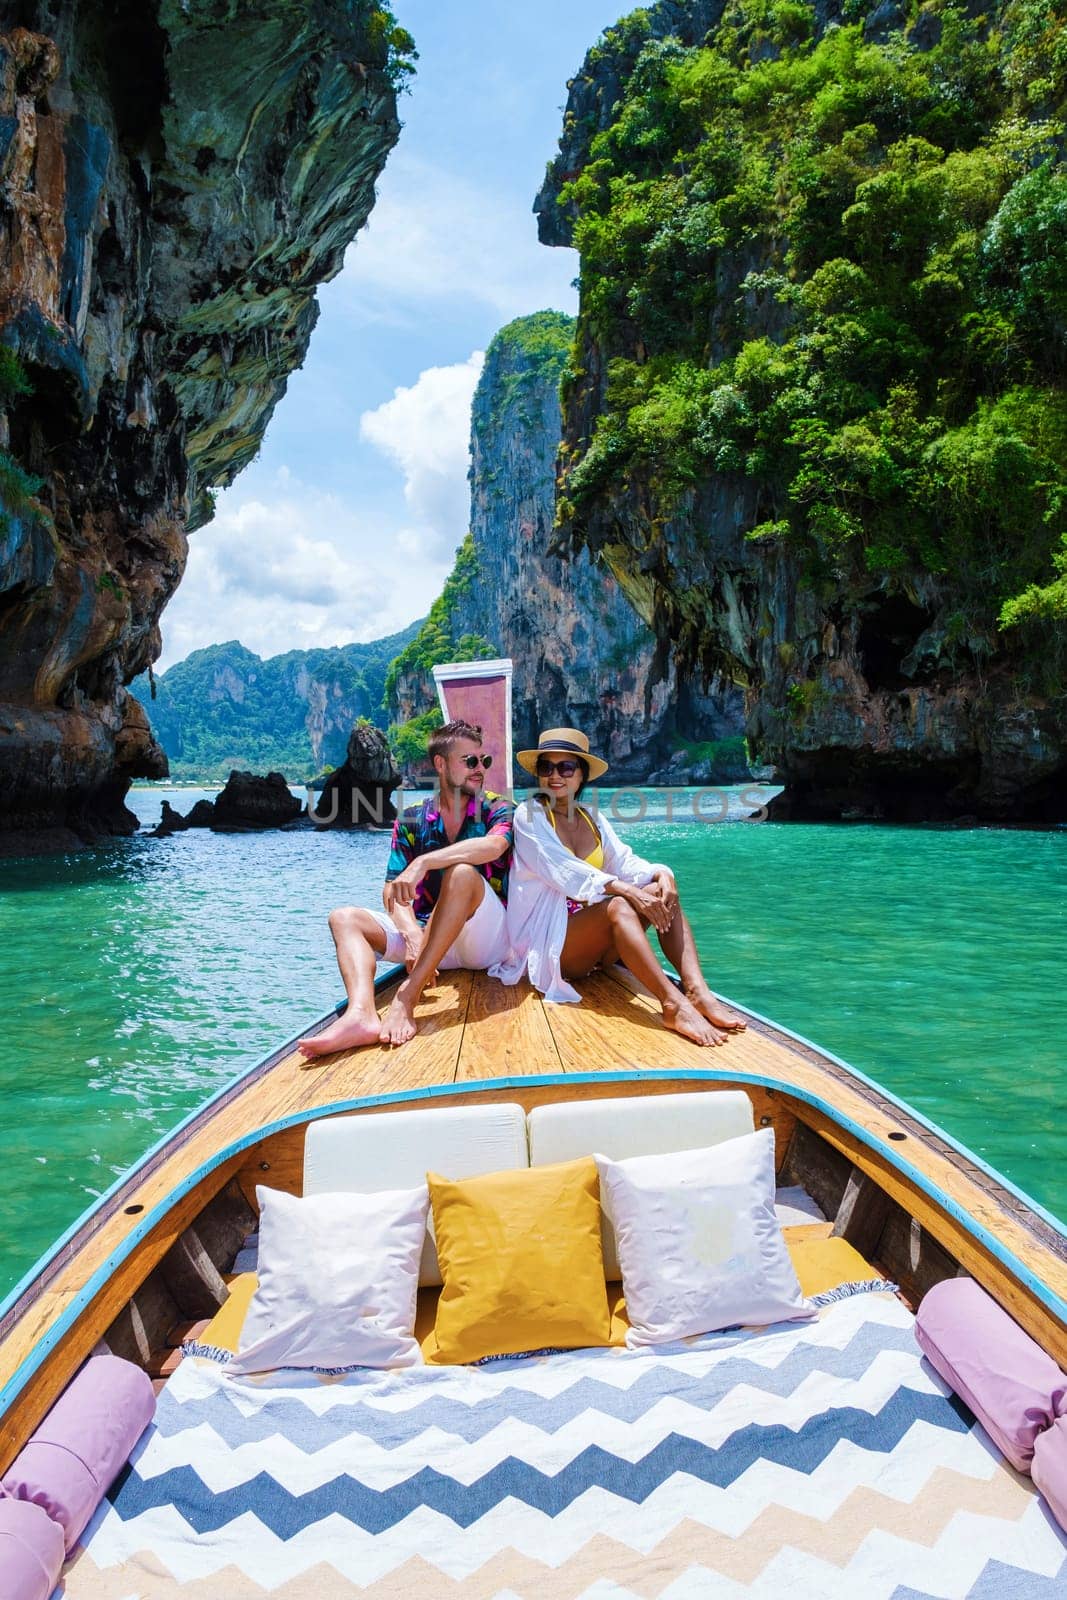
x: 420, y: 829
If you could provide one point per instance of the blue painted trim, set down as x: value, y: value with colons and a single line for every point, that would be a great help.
x: 382, y: 981
x: 438, y: 1091
x: 932, y: 1127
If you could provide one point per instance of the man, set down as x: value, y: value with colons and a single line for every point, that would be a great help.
x: 444, y: 895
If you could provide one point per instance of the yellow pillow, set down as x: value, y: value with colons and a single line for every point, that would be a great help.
x: 521, y: 1262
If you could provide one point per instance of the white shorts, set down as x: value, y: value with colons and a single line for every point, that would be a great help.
x: 482, y: 942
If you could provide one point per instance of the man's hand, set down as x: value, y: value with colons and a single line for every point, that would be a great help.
x: 663, y: 882
x: 401, y: 891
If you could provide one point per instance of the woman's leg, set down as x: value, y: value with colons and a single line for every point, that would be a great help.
x: 613, y: 923
x: 679, y: 947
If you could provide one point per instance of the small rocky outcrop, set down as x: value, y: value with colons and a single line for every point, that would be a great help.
x: 246, y: 803
x: 359, y: 793
x: 251, y: 802
x: 177, y: 179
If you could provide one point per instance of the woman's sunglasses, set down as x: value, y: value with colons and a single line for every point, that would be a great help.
x: 566, y: 769
x: 470, y: 762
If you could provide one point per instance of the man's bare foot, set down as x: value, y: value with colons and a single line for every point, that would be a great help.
x: 352, y: 1029
x: 398, y: 1024
x: 685, y: 1019
x: 719, y: 1015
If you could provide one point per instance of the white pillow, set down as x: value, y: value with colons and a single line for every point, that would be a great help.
x: 699, y: 1244
x: 338, y: 1278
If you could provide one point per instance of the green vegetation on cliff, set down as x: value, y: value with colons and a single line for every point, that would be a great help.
x: 835, y: 268
x: 225, y: 707
x: 523, y: 358
x: 18, y: 488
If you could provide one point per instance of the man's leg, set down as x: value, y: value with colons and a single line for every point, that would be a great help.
x: 360, y: 940
x: 462, y: 888
x: 679, y: 946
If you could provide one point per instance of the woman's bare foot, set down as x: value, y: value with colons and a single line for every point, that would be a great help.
x: 352, y: 1029
x: 398, y: 1024
x: 719, y: 1015
x: 684, y: 1018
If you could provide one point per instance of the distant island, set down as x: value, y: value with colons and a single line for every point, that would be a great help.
x: 225, y: 707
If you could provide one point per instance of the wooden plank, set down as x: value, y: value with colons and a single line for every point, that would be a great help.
x: 862, y: 1214
x: 431, y: 1057
x: 617, y: 1029
x: 183, y: 1331
x: 507, y: 1033
x: 910, y: 1256
x: 195, y: 1282
x: 820, y: 1170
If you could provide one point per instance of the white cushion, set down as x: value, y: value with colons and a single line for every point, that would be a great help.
x: 639, y: 1125
x: 338, y: 1281
x: 699, y: 1244
x: 794, y: 1208
x: 396, y: 1149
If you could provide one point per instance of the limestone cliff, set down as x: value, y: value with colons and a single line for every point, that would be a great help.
x: 582, y: 656
x: 816, y: 423
x: 177, y: 178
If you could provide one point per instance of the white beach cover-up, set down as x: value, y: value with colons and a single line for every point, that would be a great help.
x: 544, y: 876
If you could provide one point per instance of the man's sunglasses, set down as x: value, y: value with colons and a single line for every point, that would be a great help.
x: 566, y: 769
x: 470, y: 762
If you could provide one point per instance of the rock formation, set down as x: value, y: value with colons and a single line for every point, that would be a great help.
x: 582, y: 655
x: 177, y: 178
x: 359, y: 793
x: 817, y: 385
x: 249, y: 801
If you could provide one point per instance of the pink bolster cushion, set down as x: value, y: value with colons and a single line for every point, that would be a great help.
x: 1050, y: 1468
x: 74, y: 1457
x: 31, y: 1550
x: 1014, y: 1389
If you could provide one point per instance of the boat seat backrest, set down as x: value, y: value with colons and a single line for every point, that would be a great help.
x: 396, y: 1149
x: 637, y: 1125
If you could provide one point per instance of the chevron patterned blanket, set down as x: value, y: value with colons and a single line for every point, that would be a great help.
x: 822, y: 1459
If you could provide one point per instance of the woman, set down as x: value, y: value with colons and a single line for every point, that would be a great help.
x: 579, y: 898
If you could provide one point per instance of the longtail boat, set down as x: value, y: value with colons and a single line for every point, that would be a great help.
x: 150, y: 1268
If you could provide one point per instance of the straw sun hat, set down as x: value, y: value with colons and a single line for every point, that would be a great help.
x: 561, y: 742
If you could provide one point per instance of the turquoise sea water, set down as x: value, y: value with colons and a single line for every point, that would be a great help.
x: 139, y: 976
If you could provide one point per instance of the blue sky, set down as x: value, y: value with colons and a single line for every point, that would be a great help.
x: 344, y: 527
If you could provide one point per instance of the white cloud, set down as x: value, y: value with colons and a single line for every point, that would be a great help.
x: 296, y: 570
x: 291, y: 567
x: 434, y: 236
x: 425, y: 430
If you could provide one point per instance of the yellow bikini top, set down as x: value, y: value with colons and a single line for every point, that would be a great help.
x: 595, y: 858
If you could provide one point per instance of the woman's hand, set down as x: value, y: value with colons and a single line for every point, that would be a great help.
x: 663, y: 878
x: 648, y: 903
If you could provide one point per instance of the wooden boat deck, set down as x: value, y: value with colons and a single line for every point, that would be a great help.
x: 474, y: 1031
